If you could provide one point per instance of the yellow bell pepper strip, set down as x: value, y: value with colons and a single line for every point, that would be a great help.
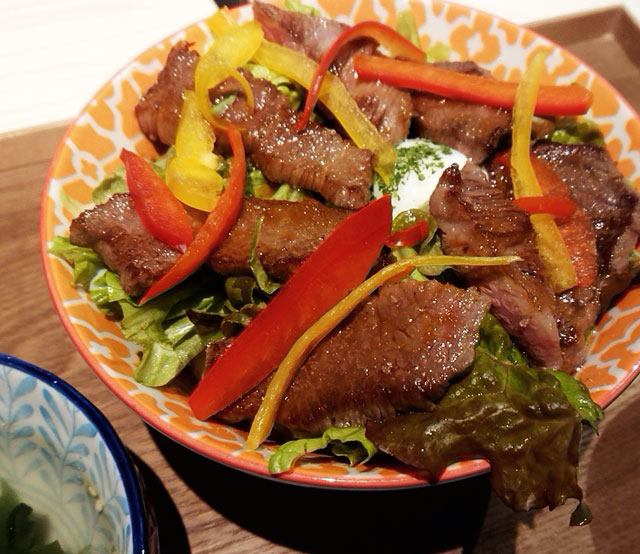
x: 552, y: 100
x: 394, y: 42
x: 284, y: 375
x: 230, y: 49
x: 551, y: 247
x: 335, y: 97
x: 339, y: 263
x: 221, y: 21
x: 215, y: 227
x: 191, y: 172
x: 158, y: 209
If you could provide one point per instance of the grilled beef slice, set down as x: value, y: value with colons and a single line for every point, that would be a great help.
x: 387, y: 107
x: 473, y: 129
x: 114, y: 231
x: 289, y: 231
x: 158, y: 111
x: 478, y: 219
x: 577, y: 308
x: 316, y: 159
x: 613, y: 206
x: 395, y: 352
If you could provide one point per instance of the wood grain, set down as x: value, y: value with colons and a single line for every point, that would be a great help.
x: 204, y: 507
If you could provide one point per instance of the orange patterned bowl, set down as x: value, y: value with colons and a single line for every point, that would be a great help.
x: 91, y: 146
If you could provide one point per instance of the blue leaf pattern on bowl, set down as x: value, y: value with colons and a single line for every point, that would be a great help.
x: 57, y: 462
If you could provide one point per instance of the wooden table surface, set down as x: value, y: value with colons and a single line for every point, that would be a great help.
x: 204, y: 507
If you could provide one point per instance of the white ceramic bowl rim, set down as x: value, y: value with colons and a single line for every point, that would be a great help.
x: 110, y: 437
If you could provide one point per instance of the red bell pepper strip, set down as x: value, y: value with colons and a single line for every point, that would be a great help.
x: 408, y: 236
x: 159, y: 210
x: 554, y: 205
x: 215, y: 227
x: 551, y: 100
x: 338, y: 264
x: 385, y: 35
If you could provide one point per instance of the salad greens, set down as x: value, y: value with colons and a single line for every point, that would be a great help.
x: 168, y: 338
x: 266, y: 284
x: 349, y: 442
x: 524, y: 420
x: 116, y: 182
x: 577, y: 130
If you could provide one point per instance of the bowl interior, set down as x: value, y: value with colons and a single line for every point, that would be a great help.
x: 56, y: 456
x: 91, y: 147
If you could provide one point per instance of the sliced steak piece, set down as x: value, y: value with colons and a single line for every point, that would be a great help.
x: 395, y: 352
x: 576, y: 309
x: 478, y: 219
x: 473, y: 129
x: 387, y: 107
x: 158, y: 111
x: 613, y: 206
x: 114, y: 231
x: 316, y: 159
x: 289, y: 232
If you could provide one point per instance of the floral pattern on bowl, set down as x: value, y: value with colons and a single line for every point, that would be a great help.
x: 61, y: 457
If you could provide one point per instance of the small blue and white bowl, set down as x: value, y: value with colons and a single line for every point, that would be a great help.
x: 61, y: 456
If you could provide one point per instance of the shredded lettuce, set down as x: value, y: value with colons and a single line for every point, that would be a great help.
x: 438, y: 52
x: 116, y: 182
x: 431, y: 244
x: 406, y: 26
x: 292, y: 91
x: 516, y: 416
x: 162, y: 328
x: 265, y: 283
x: 287, y: 192
x: 85, y: 262
x: 572, y: 130
x: 295, y: 6
x: 349, y: 442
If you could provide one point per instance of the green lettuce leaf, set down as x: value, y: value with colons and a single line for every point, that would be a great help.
x: 86, y: 263
x: 291, y: 90
x: 287, y: 192
x: 438, y: 52
x: 349, y: 442
x: 406, y: 26
x: 571, y: 130
x: 513, y: 415
x: 161, y: 327
x: 116, y: 182
x: 578, y: 395
x: 265, y: 283
x: 295, y: 6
